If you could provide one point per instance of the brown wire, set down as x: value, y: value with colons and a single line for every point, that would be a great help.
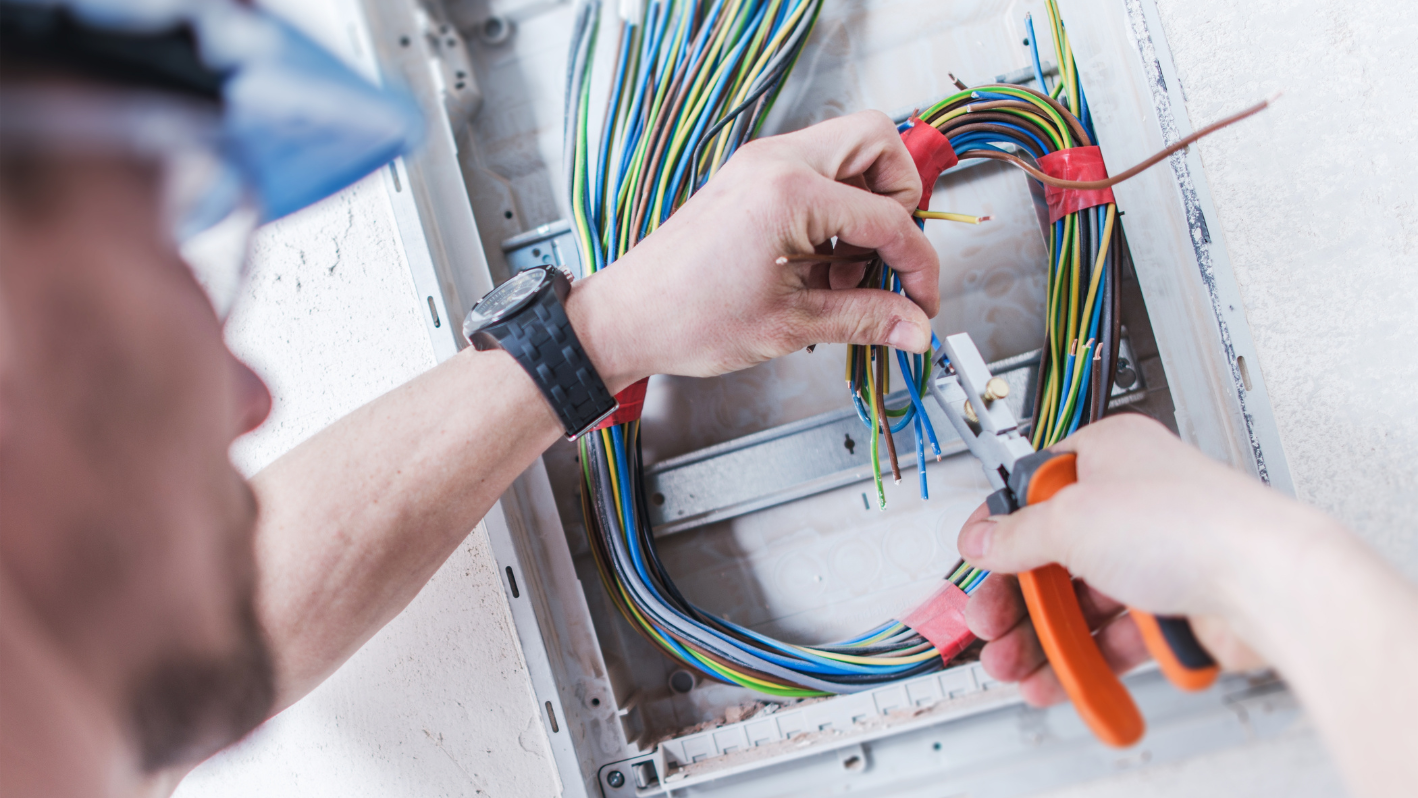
x: 1094, y: 185
x: 883, y: 417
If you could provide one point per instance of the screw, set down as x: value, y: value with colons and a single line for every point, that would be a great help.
x: 996, y: 388
x: 615, y: 779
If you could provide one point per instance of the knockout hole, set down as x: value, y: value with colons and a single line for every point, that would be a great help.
x: 681, y: 682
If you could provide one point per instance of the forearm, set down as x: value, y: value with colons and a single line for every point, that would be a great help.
x: 1339, y: 623
x: 355, y: 520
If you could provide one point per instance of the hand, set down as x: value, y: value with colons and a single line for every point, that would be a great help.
x: 703, y: 295
x: 1151, y: 523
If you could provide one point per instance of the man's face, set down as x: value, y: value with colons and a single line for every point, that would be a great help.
x: 126, y: 531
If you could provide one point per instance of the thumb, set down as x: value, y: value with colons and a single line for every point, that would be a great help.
x: 1023, y: 540
x: 865, y: 316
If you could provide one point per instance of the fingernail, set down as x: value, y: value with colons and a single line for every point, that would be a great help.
x: 905, y: 336
x: 974, y: 540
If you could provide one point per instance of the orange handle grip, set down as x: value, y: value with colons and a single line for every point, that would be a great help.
x: 1096, y: 692
x: 1182, y: 659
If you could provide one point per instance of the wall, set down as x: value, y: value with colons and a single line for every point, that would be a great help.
x: 1320, y: 221
x: 438, y: 703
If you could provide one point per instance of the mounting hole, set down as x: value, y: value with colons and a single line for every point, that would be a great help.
x: 849, y: 444
x: 507, y: 214
x: 595, y: 702
x: 403, y: 41
x: 1126, y: 377
x: 935, y: 746
x: 658, y: 499
x: 682, y: 682
x: 495, y: 30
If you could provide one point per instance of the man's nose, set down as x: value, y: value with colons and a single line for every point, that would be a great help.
x: 253, y: 399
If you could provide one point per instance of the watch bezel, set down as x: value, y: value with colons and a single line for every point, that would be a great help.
x: 476, y: 321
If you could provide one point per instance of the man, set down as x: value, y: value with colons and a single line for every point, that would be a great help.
x: 150, y: 615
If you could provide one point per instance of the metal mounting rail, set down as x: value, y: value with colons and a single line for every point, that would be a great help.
x: 811, y: 456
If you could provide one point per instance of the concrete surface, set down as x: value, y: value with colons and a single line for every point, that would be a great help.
x: 1320, y: 221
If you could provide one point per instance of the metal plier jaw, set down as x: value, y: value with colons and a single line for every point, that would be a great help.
x: 987, y: 425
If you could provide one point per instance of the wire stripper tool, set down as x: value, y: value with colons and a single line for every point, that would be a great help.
x: 972, y: 399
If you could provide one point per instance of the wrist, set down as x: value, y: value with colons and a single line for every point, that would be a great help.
x: 608, y: 330
x: 1281, y: 566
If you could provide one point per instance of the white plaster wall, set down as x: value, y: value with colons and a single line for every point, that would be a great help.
x: 438, y: 703
x: 1316, y: 205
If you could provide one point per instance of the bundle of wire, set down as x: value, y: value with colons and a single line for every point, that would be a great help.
x: 1081, y: 318
x: 692, y: 81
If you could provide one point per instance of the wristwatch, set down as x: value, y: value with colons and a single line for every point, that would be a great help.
x: 526, y: 318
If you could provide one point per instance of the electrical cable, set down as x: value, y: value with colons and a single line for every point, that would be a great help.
x: 691, y: 83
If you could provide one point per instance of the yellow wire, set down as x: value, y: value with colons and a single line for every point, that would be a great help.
x: 1098, y: 265
x: 950, y: 217
x: 856, y: 660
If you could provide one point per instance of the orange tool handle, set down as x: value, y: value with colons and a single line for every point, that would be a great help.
x: 1172, y: 643
x: 1096, y: 692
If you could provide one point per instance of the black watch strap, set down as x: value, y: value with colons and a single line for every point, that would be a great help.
x: 541, y: 339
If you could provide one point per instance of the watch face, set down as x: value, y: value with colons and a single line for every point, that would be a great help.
x: 504, y: 300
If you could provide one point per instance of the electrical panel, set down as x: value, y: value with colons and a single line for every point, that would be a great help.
x: 758, y: 486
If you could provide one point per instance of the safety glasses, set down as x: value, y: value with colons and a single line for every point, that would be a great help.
x: 206, y: 202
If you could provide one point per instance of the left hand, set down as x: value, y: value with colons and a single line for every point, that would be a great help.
x: 703, y: 295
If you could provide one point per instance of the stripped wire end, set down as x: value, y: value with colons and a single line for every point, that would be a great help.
x: 950, y: 217
x: 959, y: 84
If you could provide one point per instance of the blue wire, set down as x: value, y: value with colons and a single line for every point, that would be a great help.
x: 1079, y: 407
x: 1036, y: 151
x: 921, y: 458
x: 1034, y: 52
x: 911, y: 379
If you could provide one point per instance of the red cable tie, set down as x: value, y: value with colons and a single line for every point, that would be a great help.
x: 941, y: 620
x: 932, y: 153
x: 1077, y: 163
x: 631, y: 401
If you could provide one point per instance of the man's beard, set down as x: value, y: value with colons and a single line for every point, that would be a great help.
x: 189, y: 707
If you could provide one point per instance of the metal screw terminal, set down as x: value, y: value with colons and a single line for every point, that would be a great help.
x: 996, y: 388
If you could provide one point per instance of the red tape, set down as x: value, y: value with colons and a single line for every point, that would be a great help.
x: 631, y: 401
x: 931, y: 151
x: 1078, y: 163
x: 941, y: 620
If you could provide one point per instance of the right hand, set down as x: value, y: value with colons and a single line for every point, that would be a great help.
x: 1152, y: 523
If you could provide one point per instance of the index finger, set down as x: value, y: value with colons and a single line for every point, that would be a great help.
x: 862, y: 145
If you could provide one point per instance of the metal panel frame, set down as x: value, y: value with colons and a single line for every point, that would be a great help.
x: 1181, y: 261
